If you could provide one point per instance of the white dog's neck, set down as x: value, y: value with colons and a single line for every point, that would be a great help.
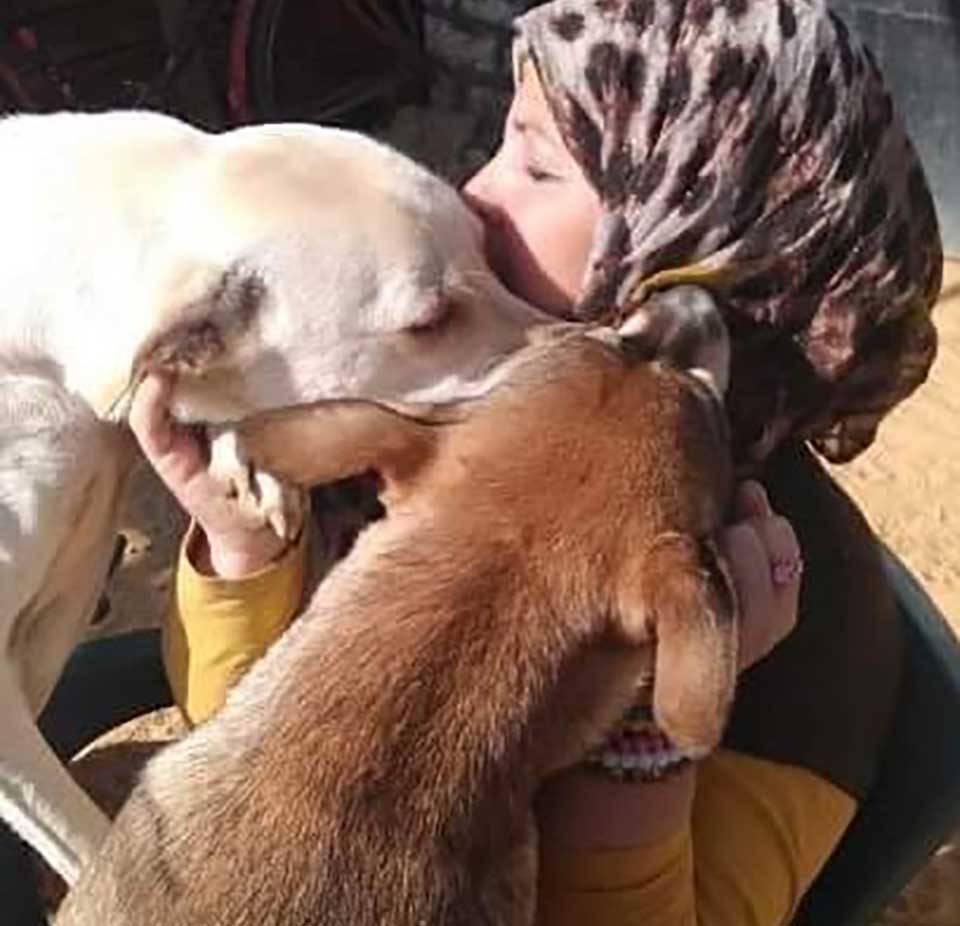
x: 82, y: 352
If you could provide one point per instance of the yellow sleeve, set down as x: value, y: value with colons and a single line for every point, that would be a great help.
x: 217, y: 628
x: 648, y: 886
x: 759, y: 834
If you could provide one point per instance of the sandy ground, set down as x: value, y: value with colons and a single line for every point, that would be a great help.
x: 908, y: 484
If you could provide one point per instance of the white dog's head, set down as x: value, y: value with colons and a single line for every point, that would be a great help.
x: 316, y: 263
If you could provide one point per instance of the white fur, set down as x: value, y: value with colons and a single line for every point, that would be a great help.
x: 117, y: 227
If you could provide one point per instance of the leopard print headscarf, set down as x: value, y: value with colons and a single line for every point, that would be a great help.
x: 750, y: 146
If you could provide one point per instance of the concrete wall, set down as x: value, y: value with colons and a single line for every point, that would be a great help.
x: 470, y: 42
x: 916, y: 41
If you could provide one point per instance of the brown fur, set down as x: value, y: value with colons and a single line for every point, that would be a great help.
x: 377, y: 766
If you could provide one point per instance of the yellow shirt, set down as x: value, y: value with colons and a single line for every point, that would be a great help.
x: 758, y: 835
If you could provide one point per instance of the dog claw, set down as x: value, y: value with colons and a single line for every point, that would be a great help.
x: 281, y: 505
x: 266, y: 499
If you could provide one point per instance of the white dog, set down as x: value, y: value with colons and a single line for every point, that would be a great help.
x: 266, y: 266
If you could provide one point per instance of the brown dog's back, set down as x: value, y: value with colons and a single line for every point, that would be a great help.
x: 377, y: 765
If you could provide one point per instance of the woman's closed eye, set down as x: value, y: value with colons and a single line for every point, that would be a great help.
x: 539, y: 174
x: 533, y: 151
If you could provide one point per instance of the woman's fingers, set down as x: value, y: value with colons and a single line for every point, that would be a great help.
x: 783, y: 550
x: 764, y: 558
x: 149, y: 419
x: 747, y: 558
x: 751, y: 501
x: 237, y: 539
x: 172, y: 449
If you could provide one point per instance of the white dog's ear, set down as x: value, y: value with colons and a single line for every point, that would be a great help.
x: 200, y: 332
x: 323, y: 442
x: 682, y: 327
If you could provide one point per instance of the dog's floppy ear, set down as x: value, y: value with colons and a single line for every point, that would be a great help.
x: 682, y: 327
x: 309, y: 445
x: 199, y: 330
x: 680, y: 595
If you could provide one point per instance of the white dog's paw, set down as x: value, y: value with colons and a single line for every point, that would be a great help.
x: 260, y: 495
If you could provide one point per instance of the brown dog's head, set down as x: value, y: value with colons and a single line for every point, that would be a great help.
x: 609, y: 473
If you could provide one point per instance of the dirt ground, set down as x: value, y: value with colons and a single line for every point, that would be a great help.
x: 908, y: 484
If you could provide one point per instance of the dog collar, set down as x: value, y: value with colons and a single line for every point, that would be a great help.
x: 636, y: 749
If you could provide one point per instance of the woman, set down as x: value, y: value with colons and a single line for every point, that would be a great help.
x: 749, y: 148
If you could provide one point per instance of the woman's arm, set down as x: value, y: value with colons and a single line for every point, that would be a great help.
x: 579, y: 808
x: 238, y: 585
x: 217, y: 628
x: 622, y: 853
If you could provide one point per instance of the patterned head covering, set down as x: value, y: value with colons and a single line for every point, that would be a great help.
x: 749, y: 146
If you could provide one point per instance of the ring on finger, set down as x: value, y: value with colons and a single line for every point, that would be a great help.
x: 786, y: 571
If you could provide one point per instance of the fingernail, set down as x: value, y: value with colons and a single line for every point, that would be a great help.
x: 755, y: 498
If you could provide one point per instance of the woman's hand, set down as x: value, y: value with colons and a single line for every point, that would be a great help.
x: 763, y: 554
x: 237, y: 543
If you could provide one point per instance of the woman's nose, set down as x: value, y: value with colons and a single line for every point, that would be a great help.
x: 477, y: 193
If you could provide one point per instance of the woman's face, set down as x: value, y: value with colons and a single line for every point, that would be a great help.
x: 538, y: 208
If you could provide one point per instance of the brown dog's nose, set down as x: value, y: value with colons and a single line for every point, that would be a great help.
x: 682, y: 326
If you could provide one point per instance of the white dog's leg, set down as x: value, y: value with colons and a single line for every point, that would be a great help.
x: 39, y: 799
x: 259, y: 493
x: 61, y: 475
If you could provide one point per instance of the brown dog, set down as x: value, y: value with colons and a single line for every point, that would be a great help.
x: 377, y: 766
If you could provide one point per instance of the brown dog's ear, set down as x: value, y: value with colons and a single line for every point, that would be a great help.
x: 309, y: 445
x: 201, y: 328
x: 552, y: 331
x: 683, y: 327
x: 682, y: 597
